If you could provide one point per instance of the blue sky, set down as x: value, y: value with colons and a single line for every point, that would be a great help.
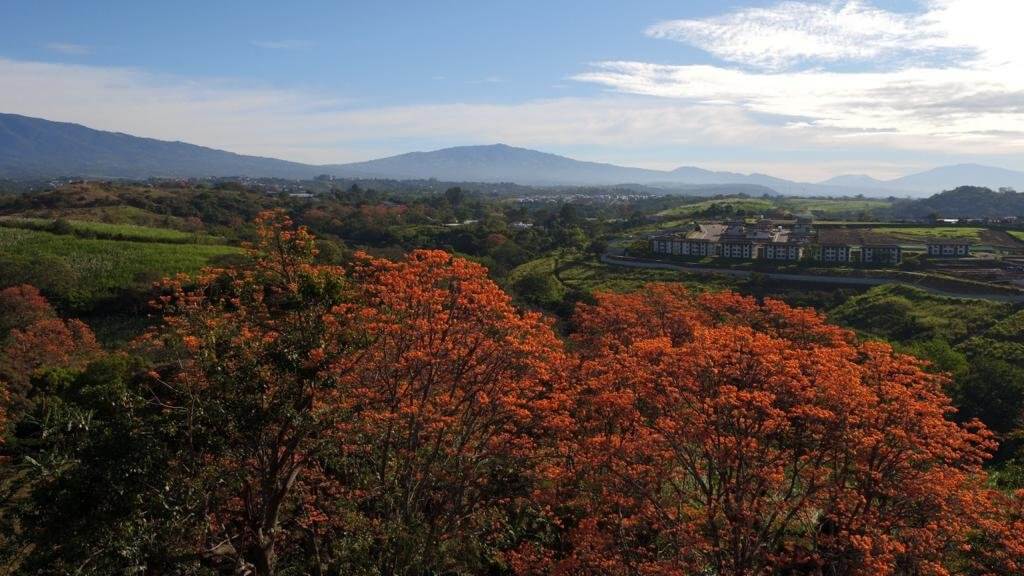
x: 798, y: 89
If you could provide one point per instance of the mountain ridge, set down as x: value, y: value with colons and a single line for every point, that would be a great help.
x: 35, y: 148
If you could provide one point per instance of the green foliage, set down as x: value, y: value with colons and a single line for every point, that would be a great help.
x: 902, y: 313
x: 965, y: 202
x: 539, y: 288
x: 98, y: 443
x: 81, y: 272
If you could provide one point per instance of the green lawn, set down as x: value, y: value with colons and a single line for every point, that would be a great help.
x: 925, y: 233
x: 79, y: 272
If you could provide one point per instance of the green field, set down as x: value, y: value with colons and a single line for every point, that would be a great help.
x: 746, y: 204
x: 587, y: 274
x: 827, y: 206
x: 821, y: 207
x: 926, y: 233
x: 111, y: 231
x: 82, y: 271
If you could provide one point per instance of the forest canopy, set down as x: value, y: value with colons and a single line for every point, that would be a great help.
x: 405, y: 417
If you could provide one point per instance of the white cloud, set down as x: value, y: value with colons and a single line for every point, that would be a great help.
x: 69, y: 49
x: 311, y: 128
x: 283, y: 44
x: 968, y: 99
x: 791, y: 34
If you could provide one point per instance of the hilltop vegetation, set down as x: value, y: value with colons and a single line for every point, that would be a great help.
x: 965, y: 202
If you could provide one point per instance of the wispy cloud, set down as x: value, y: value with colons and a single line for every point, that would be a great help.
x: 283, y: 44
x: 69, y: 49
x: 793, y: 33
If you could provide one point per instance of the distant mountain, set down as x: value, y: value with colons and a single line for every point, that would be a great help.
x: 35, y: 148
x: 938, y: 179
x: 949, y: 177
x: 32, y: 148
x: 855, y: 181
x: 496, y: 163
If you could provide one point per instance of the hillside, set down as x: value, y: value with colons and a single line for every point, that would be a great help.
x: 965, y: 202
x: 35, y: 148
x: 497, y: 162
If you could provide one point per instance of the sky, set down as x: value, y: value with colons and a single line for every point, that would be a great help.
x: 797, y: 89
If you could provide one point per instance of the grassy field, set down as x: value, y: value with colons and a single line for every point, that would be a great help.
x: 926, y: 233
x: 79, y: 272
x: 111, y: 231
x: 746, y: 204
x: 587, y: 274
x: 821, y: 207
x: 828, y: 206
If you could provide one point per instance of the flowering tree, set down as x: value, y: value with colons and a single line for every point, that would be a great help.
x: 244, y: 353
x: 718, y: 435
x: 382, y: 420
x: 453, y: 397
x: 35, y: 339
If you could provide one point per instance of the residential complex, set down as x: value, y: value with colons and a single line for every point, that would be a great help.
x: 789, y: 241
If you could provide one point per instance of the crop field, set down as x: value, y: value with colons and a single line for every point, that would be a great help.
x: 81, y: 271
x: 111, y: 231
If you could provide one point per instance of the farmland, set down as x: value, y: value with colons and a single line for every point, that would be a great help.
x: 79, y: 272
x: 132, y: 232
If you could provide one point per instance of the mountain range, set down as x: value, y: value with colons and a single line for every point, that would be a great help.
x: 34, y: 148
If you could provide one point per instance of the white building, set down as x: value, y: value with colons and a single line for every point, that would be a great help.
x: 881, y: 254
x: 949, y: 249
x: 835, y: 253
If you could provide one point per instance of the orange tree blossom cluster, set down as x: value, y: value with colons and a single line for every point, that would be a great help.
x: 406, y: 418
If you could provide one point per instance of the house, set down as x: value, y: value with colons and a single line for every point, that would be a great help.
x: 881, y: 254
x: 782, y: 251
x: 701, y: 241
x: 835, y: 253
x: 949, y: 248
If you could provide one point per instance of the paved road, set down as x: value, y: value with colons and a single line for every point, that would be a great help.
x: 815, y: 278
